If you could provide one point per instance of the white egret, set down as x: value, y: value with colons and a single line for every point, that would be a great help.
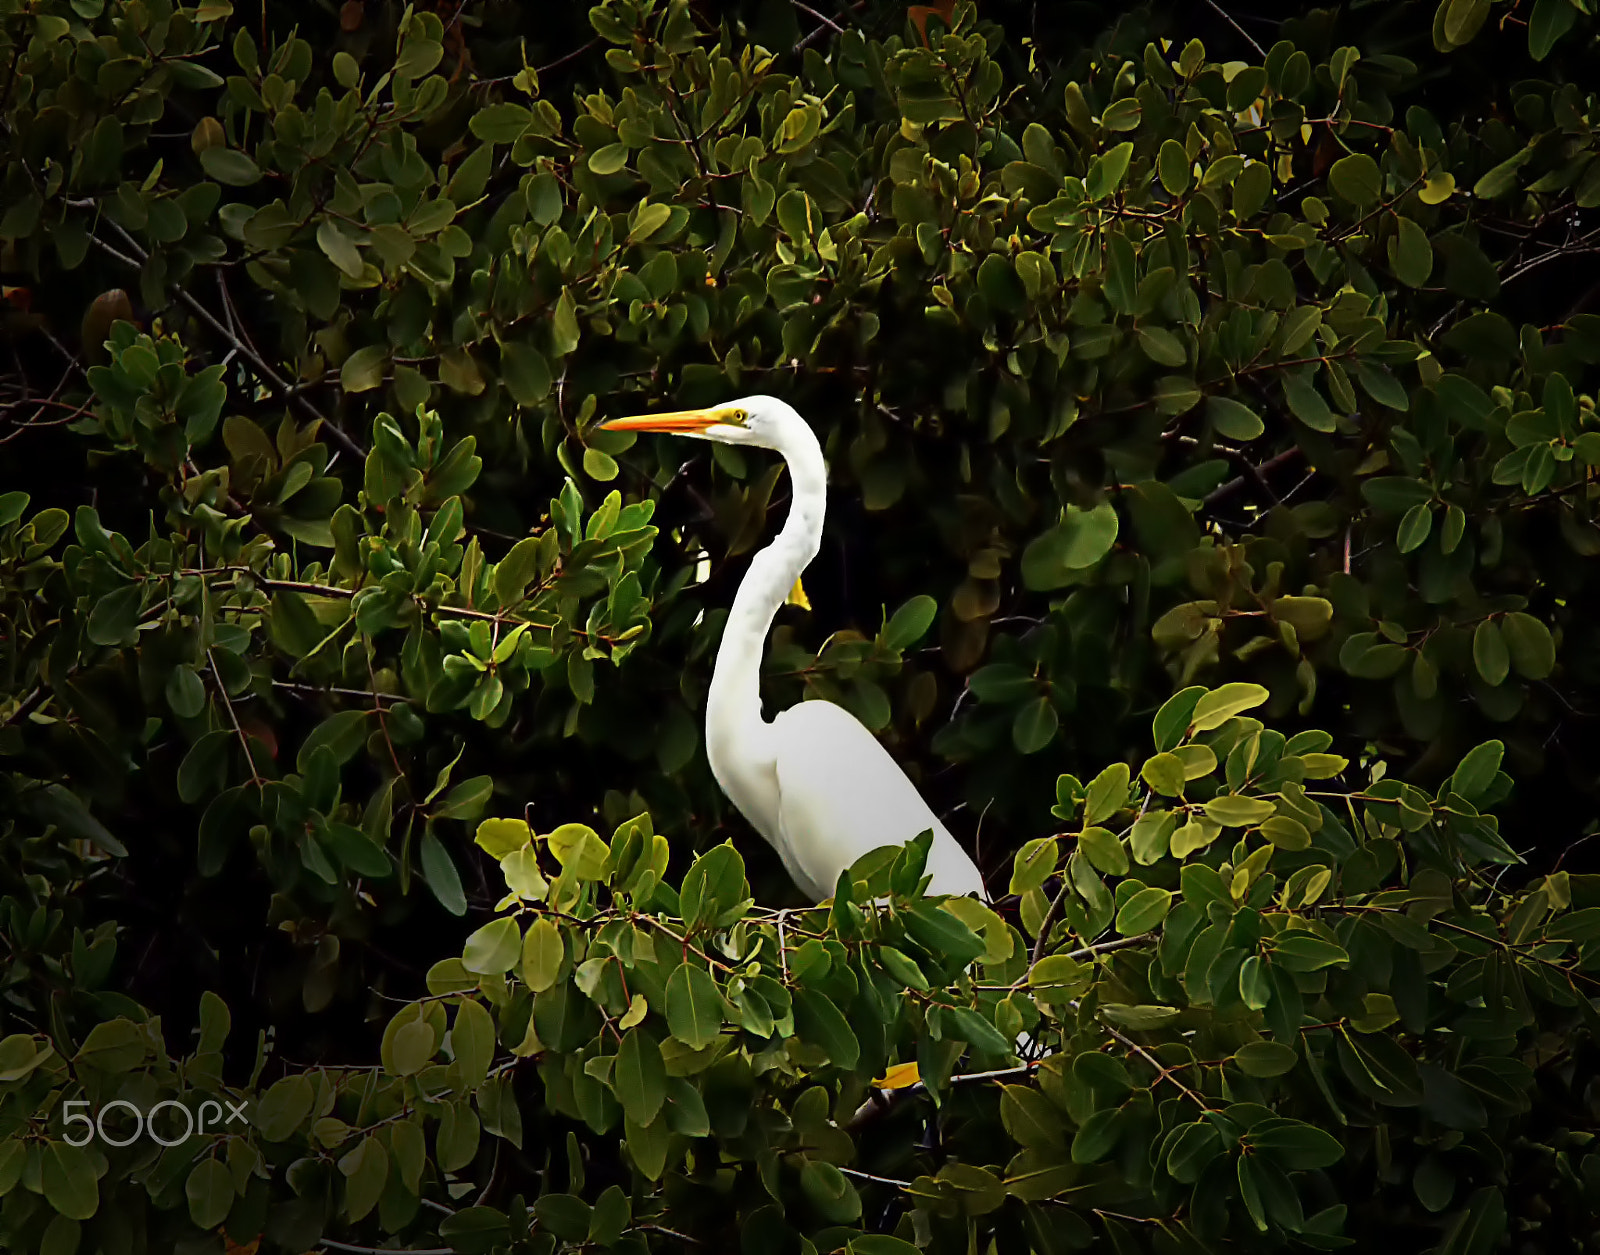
x: 814, y: 782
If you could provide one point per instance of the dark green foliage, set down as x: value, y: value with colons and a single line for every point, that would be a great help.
x: 1161, y: 382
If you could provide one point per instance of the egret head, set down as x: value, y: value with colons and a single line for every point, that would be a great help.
x: 764, y: 422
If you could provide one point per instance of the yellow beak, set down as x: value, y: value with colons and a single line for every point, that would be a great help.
x: 677, y: 421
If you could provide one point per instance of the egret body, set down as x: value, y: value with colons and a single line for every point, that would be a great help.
x: 814, y: 782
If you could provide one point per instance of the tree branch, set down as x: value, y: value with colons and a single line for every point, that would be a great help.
x: 257, y: 362
x: 1243, y: 34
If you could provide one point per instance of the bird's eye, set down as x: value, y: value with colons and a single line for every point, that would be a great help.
x: 738, y: 417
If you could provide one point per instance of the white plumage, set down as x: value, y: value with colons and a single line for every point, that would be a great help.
x: 814, y: 782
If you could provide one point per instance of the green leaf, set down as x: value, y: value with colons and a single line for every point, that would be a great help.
x: 608, y: 160
x: 1294, y: 1145
x: 1250, y: 1191
x: 114, y: 618
x: 68, y: 1180
x: 525, y: 372
x: 1219, y: 705
x: 713, y: 884
x: 412, y: 1048
x: 342, y: 733
x: 340, y: 249
x: 357, y: 851
x: 19, y: 1055
x: 55, y: 804
x: 1477, y: 770
x: 1107, y: 794
x: 639, y: 1077
x: 114, y: 1046
x: 1034, y: 864
x: 1302, y: 951
x: 1189, y: 1148
x: 1549, y: 21
x: 1107, y: 171
x: 1143, y: 911
x: 1164, y: 773
x: 283, y: 1108
x: 366, y: 1168
x: 439, y: 871
x: 819, y: 1022
x: 185, y: 692
x: 1410, y: 253
x: 229, y: 166
x: 902, y: 969
x: 1171, y: 724
x: 363, y: 370
x: 13, y: 1158
x: 1104, y: 851
x: 1528, y: 640
x: 1097, y: 1136
x: 12, y: 505
x: 476, y: 1230
x: 1233, y: 811
x: 466, y: 800
x: 1489, y: 653
x: 829, y: 1191
x: 503, y: 123
x: 1140, y: 1017
x: 457, y: 1141
x: 1381, y: 385
x: 1162, y: 347
x: 1462, y: 20
x: 1478, y: 1227
x: 500, y: 837
x: 543, y: 952
x: 910, y: 622
x: 1255, y: 986
x: 1503, y: 177
x: 1172, y: 163
x: 1031, y: 1118
x: 494, y: 948
x: 694, y: 1006
x: 1079, y: 541
x: 1357, y: 179
x: 1265, y: 1058
x: 209, y: 1189
x: 1415, y: 528
x: 1233, y: 420
x: 1034, y: 725
x: 1306, y: 403
x: 879, y: 1244
x: 974, y: 1029
x: 1058, y: 978
x: 649, y: 218
x: 472, y: 1041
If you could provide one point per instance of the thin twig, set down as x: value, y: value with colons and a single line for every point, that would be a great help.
x: 244, y: 741
x: 821, y: 17
x: 1162, y: 1070
x: 270, y: 376
x: 1256, y: 475
x: 875, y: 1179
x: 1049, y: 920
x: 671, y: 1233
x: 967, y: 1078
x: 571, y: 56
x: 1243, y: 34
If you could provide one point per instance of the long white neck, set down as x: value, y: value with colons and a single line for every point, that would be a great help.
x: 734, y: 725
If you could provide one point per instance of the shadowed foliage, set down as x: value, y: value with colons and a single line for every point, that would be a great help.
x: 1209, y: 406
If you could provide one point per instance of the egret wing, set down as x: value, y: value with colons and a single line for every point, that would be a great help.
x: 840, y: 794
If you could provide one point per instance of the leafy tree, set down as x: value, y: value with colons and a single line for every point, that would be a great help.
x: 1171, y: 368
